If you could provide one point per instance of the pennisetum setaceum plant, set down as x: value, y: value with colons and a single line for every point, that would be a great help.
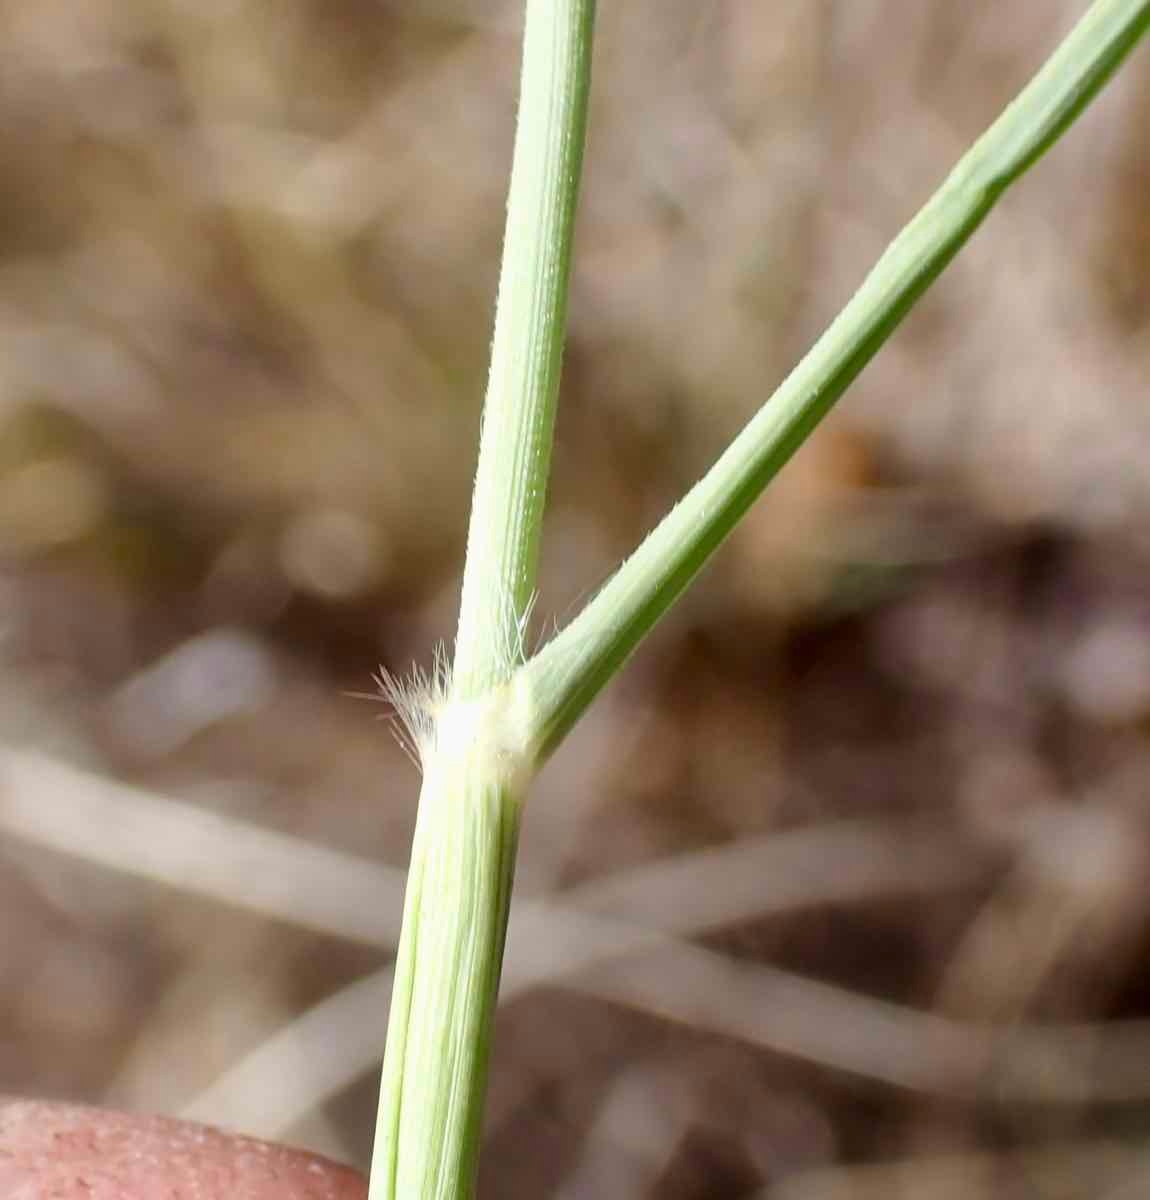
x: 485, y: 725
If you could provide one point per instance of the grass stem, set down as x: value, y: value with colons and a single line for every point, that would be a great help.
x: 494, y: 718
x: 463, y: 853
x: 570, y: 671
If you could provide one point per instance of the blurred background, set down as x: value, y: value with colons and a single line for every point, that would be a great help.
x: 840, y: 891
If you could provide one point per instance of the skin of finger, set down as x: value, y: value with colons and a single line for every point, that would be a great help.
x: 66, y: 1152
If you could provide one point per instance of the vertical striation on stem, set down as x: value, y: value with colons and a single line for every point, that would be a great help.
x: 473, y: 757
x: 527, y: 347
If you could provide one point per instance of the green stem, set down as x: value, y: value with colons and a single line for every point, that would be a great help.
x: 527, y: 348
x: 567, y: 674
x: 497, y: 720
x: 475, y: 769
